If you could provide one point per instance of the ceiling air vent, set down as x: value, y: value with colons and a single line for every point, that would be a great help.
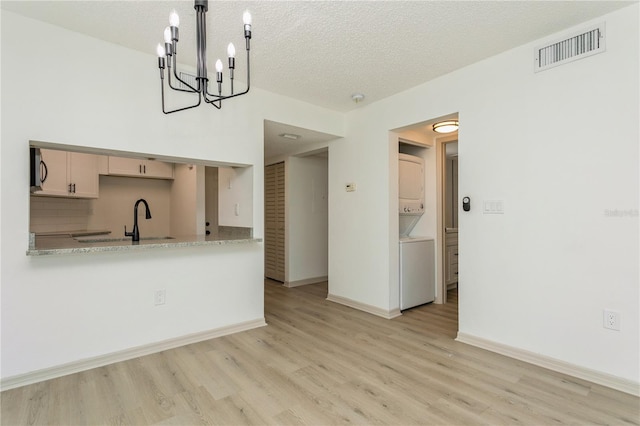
x: 579, y: 45
x: 189, y: 79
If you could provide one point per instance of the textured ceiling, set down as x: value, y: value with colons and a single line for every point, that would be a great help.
x: 322, y: 52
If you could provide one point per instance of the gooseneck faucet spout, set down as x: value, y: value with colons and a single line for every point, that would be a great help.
x: 135, y: 235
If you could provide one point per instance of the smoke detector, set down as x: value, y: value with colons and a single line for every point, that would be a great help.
x: 357, y: 97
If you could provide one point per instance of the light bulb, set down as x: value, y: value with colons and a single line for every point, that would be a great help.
x: 219, y: 65
x: 167, y: 35
x: 231, y: 50
x: 246, y: 17
x: 160, y: 50
x: 174, y: 19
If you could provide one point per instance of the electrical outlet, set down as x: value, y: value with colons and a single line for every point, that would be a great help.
x: 159, y: 297
x: 611, y: 320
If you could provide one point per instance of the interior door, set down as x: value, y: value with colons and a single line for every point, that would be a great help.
x: 274, y: 243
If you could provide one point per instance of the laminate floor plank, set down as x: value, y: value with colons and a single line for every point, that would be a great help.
x: 322, y: 363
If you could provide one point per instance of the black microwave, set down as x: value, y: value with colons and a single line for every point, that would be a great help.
x: 38, y: 169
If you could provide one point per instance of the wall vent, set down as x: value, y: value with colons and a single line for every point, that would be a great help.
x: 190, y: 79
x: 578, y: 45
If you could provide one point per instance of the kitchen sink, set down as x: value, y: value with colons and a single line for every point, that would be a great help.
x: 114, y: 240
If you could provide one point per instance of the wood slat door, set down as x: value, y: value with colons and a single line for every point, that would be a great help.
x: 274, y: 243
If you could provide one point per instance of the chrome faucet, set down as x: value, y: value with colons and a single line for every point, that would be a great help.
x: 136, y: 233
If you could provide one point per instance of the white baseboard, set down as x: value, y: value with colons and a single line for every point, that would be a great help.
x: 364, y: 307
x: 608, y: 380
x: 101, y: 360
x: 306, y: 281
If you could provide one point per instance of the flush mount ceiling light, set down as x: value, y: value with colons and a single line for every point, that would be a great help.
x: 357, y: 97
x: 200, y: 87
x: 289, y: 136
x: 447, y: 126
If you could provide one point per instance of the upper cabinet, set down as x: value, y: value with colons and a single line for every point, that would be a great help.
x: 121, y: 166
x: 69, y: 174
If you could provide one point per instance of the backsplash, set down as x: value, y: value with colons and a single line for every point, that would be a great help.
x: 112, y: 211
x: 234, y: 232
x: 50, y: 214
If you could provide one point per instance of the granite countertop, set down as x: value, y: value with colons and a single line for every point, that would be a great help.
x: 65, y: 244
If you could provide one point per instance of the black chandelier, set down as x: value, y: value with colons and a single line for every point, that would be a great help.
x: 201, y: 85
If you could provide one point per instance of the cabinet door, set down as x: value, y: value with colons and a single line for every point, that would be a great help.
x: 157, y: 169
x: 125, y: 166
x: 55, y: 165
x: 83, y: 174
x: 134, y: 167
x: 451, y: 274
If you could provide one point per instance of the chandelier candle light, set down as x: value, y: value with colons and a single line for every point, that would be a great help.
x: 167, y: 55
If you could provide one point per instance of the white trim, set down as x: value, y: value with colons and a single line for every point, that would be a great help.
x: 306, y: 281
x: 604, y: 379
x: 101, y: 360
x: 364, y: 307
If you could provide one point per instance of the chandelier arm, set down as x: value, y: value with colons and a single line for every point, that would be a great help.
x: 173, y: 59
x: 213, y: 102
x: 175, y: 74
x: 217, y: 98
x: 179, y: 89
x: 179, y: 109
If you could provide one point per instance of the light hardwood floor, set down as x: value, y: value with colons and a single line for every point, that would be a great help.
x: 320, y: 363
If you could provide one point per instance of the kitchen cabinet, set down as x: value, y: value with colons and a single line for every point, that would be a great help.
x: 451, y: 260
x: 69, y: 174
x: 134, y: 167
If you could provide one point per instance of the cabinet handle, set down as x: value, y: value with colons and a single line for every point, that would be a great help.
x: 74, y: 188
x: 455, y: 254
x: 70, y: 189
x: 145, y: 169
x: 455, y: 273
x: 140, y: 168
x: 45, y: 171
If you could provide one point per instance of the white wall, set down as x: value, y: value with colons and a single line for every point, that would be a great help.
x: 184, y: 197
x: 235, y: 204
x: 60, y: 309
x: 538, y: 277
x: 307, y: 219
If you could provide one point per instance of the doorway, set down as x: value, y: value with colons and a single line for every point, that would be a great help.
x: 296, y: 167
x: 447, y: 148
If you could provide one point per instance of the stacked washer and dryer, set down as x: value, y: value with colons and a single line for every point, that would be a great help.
x: 417, y: 254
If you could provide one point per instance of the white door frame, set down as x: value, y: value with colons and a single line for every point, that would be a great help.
x: 441, y: 258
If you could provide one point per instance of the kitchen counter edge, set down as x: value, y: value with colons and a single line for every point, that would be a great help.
x: 144, y: 245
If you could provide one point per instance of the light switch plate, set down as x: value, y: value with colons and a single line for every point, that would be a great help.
x: 159, y: 297
x: 493, y: 207
x: 350, y: 187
